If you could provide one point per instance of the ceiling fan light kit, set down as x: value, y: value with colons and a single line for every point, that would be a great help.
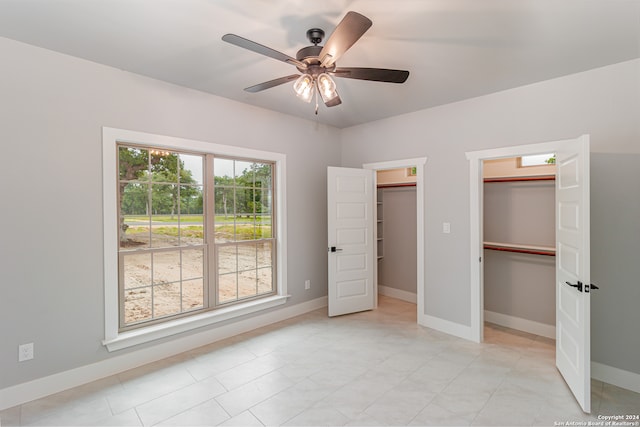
x: 318, y: 63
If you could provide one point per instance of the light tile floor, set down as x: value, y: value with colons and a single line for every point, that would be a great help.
x: 366, y: 369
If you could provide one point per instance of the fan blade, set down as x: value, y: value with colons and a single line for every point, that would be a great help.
x: 333, y: 102
x: 374, y: 74
x: 262, y: 50
x: 348, y: 31
x: 271, y: 83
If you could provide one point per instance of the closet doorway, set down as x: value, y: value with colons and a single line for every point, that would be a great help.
x: 572, y: 244
x: 519, y: 243
x: 396, y: 235
x: 418, y: 166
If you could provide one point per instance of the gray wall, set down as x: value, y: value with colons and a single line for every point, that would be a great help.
x: 615, y: 259
x: 52, y: 111
x: 398, y: 267
x: 520, y: 212
x: 603, y: 102
x: 520, y: 285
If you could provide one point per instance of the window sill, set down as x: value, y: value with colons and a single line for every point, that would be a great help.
x: 163, y: 330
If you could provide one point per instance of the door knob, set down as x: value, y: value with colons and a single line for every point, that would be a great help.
x: 334, y: 249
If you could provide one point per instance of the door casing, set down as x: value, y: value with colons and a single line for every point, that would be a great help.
x: 476, y: 184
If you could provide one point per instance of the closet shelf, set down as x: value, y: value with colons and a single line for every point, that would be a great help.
x: 523, y: 249
x: 521, y: 178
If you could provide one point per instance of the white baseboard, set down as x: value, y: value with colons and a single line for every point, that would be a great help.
x: 41, y: 387
x: 615, y: 376
x: 446, y: 326
x: 520, y: 324
x: 398, y: 294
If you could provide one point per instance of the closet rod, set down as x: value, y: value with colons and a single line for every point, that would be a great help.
x: 400, y: 184
x: 523, y: 249
x: 521, y: 178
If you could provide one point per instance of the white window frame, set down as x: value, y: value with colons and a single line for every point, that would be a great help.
x: 116, y: 340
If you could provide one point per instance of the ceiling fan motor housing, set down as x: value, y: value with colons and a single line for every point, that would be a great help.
x: 310, y: 55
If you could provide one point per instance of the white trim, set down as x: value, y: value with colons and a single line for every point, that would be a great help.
x: 41, y: 387
x: 419, y: 163
x: 162, y: 330
x: 521, y: 324
x: 618, y: 377
x: 110, y: 137
x: 448, y: 327
x: 395, y: 164
x: 398, y: 294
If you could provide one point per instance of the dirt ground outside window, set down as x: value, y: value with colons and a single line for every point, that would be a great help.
x: 170, y: 282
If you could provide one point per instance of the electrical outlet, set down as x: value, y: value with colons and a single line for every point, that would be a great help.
x: 307, y: 284
x: 25, y: 352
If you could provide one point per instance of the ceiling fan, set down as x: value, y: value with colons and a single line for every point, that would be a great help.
x: 318, y: 63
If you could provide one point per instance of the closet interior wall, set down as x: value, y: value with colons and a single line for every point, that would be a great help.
x: 397, y: 239
x: 519, y: 288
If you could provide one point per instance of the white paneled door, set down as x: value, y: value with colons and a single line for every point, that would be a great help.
x: 350, y: 200
x: 573, y: 356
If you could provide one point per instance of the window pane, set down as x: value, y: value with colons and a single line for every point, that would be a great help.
x: 245, y: 229
x: 225, y: 215
x: 164, y: 225
x: 227, y: 259
x: 243, y: 173
x: 225, y: 232
x: 263, y: 175
x: 538, y: 159
x: 191, y: 200
x: 223, y: 171
x: 164, y: 166
x: 264, y: 254
x: 264, y: 229
x: 227, y: 287
x: 134, y: 199
x: 134, y: 219
x: 137, y: 305
x: 191, y: 234
x: 266, y: 201
x: 166, y: 299
x: 244, y: 202
x: 133, y: 163
x: 247, y: 257
x: 191, y: 169
x: 265, y: 280
x: 247, y: 284
x: 192, y: 264
x: 192, y: 294
x: 137, y: 270
x: 166, y: 267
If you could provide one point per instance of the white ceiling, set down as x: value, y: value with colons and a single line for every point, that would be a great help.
x: 454, y: 49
